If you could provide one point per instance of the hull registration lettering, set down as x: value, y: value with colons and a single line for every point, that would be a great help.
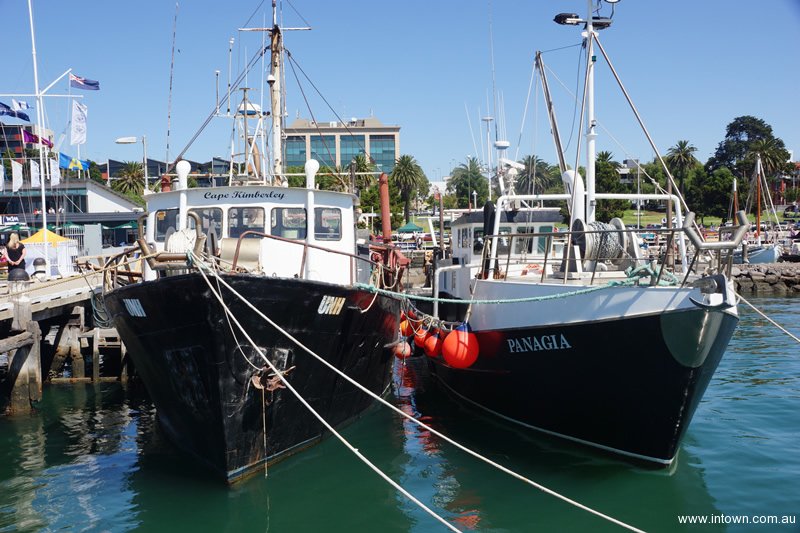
x: 537, y: 344
x: 331, y: 305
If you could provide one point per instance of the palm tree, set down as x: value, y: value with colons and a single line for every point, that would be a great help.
x: 408, y: 176
x: 130, y: 179
x: 538, y: 176
x: 466, y: 178
x: 681, y: 159
x: 606, y: 157
x: 362, y: 165
x: 773, y: 157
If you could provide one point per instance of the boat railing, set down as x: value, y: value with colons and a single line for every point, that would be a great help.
x: 604, y: 253
x: 355, y: 259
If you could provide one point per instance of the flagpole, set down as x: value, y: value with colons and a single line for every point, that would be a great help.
x: 39, y: 127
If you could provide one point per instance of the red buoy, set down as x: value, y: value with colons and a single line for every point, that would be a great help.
x: 433, y: 344
x: 405, y: 328
x: 420, y: 335
x: 402, y: 350
x: 460, y: 347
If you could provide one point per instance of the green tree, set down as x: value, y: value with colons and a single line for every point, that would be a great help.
x: 409, y: 178
x: 538, y: 176
x: 607, y: 180
x: 739, y: 136
x: 130, y: 179
x: 466, y: 178
x: 773, y: 155
x: 681, y: 159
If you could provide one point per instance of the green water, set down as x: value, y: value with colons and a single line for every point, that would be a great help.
x: 92, y: 459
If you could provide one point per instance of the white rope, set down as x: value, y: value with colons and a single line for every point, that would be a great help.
x: 768, y: 318
x: 311, y: 409
x: 422, y: 424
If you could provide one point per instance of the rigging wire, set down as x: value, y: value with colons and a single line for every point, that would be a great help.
x: 771, y: 321
x: 305, y: 403
x: 402, y: 413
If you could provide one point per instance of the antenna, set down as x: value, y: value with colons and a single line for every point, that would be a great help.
x: 171, y: 71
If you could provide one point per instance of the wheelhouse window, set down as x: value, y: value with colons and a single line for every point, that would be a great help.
x: 241, y: 219
x: 166, y: 220
x: 288, y: 222
x: 210, y: 220
x: 327, y: 224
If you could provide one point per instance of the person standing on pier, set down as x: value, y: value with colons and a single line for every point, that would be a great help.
x: 15, y: 253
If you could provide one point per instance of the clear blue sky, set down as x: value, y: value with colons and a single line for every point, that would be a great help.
x: 691, y: 67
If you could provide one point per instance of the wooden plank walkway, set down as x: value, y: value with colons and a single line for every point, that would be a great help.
x: 48, y: 298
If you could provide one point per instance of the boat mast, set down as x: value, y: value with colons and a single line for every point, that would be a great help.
x: 274, y: 81
x: 591, y: 132
x: 40, y: 133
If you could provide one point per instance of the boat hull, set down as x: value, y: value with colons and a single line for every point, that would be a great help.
x: 199, y: 369
x: 628, y: 382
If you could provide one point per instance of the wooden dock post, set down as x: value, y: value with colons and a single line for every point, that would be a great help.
x: 24, y: 369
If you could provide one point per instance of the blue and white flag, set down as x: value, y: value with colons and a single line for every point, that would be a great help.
x: 35, y: 182
x: 83, y: 83
x: 16, y: 176
x: 19, y: 105
x: 5, y: 110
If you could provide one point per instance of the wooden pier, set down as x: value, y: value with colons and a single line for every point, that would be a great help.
x: 46, y: 326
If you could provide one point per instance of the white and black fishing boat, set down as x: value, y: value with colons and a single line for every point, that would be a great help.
x: 240, y: 283
x: 584, y: 334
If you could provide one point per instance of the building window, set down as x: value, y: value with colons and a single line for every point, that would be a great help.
x: 327, y: 224
x: 323, y: 149
x: 295, y: 147
x: 349, y: 147
x: 288, y: 222
x: 382, y: 150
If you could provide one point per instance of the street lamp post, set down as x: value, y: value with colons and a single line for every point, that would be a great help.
x: 134, y: 140
x: 474, y: 200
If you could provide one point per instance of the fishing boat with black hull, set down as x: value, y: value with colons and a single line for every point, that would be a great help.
x: 250, y: 292
x: 587, y: 334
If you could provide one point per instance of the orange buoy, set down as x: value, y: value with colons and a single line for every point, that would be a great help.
x: 402, y: 350
x: 420, y: 335
x: 460, y: 347
x: 405, y: 328
x: 433, y: 344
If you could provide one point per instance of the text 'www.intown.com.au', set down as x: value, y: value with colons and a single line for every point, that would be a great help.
x: 728, y: 519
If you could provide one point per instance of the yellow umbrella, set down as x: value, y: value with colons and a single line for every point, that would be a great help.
x: 38, y: 237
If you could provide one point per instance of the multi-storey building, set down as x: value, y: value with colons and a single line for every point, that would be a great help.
x: 11, y: 138
x: 335, y: 144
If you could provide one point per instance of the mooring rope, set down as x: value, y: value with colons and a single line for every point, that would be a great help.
x: 768, y: 319
x: 376, y: 397
x: 312, y: 410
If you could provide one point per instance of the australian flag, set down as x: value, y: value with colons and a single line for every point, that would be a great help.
x: 6, y: 110
x: 83, y: 83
